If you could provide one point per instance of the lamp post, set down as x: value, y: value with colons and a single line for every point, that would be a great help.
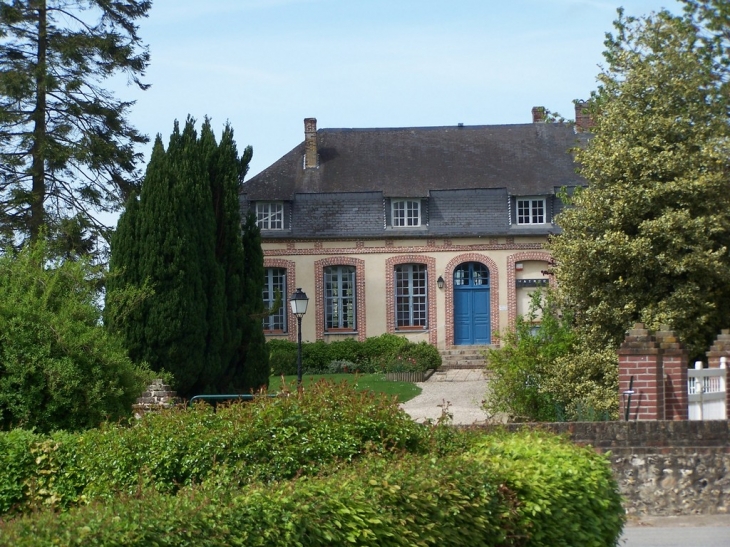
x: 299, y: 303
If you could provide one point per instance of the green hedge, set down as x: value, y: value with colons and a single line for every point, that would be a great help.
x: 263, y: 440
x: 457, y: 500
x: 384, y: 353
x: 567, y: 494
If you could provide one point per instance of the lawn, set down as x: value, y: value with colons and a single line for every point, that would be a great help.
x: 405, y: 391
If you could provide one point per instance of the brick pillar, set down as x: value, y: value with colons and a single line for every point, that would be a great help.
x: 640, y: 356
x: 718, y: 350
x: 674, y: 363
x: 158, y: 396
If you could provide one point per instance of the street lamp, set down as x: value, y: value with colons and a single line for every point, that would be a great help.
x: 299, y: 303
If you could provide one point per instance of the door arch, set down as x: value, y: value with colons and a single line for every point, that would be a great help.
x: 472, y: 308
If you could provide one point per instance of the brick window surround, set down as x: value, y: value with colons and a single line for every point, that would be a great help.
x: 511, y: 278
x: 359, y: 265
x: 431, y: 276
x: 493, y: 292
x: 291, y: 283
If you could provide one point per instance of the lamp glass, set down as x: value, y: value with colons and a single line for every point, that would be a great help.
x: 299, y: 303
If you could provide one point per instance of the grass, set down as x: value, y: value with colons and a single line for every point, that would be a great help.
x: 405, y: 391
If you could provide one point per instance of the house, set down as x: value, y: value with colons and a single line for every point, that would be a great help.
x: 436, y: 233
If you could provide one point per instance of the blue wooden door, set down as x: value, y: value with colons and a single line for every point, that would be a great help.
x: 471, y: 304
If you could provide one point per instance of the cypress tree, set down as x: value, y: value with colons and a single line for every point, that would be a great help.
x: 255, y: 353
x: 183, y: 236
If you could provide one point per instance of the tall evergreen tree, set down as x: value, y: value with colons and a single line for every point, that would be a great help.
x: 256, y: 364
x: 183, y: 237
x: 67, y: 151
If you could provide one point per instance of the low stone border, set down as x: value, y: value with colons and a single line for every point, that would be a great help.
x: 409, y: 376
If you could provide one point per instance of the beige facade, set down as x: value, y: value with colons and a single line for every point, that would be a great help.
x: 516, y: 266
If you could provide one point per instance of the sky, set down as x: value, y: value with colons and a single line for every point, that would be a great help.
x: 265, y: 65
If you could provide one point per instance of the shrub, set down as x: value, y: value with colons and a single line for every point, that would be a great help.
x: 521, y: 366
x: 417, y: 501
x: 384, y: 353
x: 529, y: 489
x: 282, y: 357
x: 567, y: 494
x: 340, y: 366
x: 59, y: 367
x: 316, y: 356
x: 553, y: 372
x: 424, y: 354
x: 265, y: 440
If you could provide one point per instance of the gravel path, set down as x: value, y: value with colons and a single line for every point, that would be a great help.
x: 459, y: 392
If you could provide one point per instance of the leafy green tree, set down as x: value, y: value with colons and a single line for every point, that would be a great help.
x: 67, y: 151
x: 648, y: 238
x: 59, y: 367
x: 183, y: 238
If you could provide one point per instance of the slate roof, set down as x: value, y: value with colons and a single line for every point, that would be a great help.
x: 526, y: 159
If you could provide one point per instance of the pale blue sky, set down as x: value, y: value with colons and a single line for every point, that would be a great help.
x: 265, y: 65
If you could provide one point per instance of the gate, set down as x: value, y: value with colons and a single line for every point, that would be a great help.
x: 706, y: 388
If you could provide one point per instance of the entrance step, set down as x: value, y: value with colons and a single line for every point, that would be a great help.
x: 463, y: 357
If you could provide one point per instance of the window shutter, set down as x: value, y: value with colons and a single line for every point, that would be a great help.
x: 424, y: 212
x: 388, y: 212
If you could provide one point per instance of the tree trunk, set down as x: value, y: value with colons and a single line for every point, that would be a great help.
x: 38, y: 151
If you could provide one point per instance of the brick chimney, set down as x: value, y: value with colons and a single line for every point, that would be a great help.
x: 538, y: 114
x: 583, y: 120
x: 310, y: 143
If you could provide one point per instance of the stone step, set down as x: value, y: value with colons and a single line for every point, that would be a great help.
x: 460, y: 365
x: 462, y: 358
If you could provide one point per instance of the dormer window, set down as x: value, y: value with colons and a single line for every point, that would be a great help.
x: 530, y: 211
x: 405, y: 213
x: 270, y: 215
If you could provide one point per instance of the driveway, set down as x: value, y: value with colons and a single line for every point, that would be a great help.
x: 691, y: 530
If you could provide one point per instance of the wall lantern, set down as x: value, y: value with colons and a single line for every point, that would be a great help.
x: 299, y: 303
x: 440, y: 282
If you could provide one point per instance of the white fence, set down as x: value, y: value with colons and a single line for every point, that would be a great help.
x: 706, y: 388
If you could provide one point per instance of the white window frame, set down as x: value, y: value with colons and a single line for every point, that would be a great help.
x: 405, y: 213
x: 410, y: 282
x: 339, y: 298
x: 275, y: 279
x: 531, y: 211
x: 270, y: 215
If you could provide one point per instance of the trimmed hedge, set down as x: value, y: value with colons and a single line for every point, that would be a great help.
x: 263, y: 440
x: 327, y: 466
x: 567, y: 494
x: 457, y: 500
x: 384, y: 353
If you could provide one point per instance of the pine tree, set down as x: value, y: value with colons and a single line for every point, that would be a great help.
x: 183, y: 237
x: 648, y: 239
x: 67, y: 151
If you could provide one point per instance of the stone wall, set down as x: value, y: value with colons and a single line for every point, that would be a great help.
x: 662, y: 467
x: 158, y: 396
